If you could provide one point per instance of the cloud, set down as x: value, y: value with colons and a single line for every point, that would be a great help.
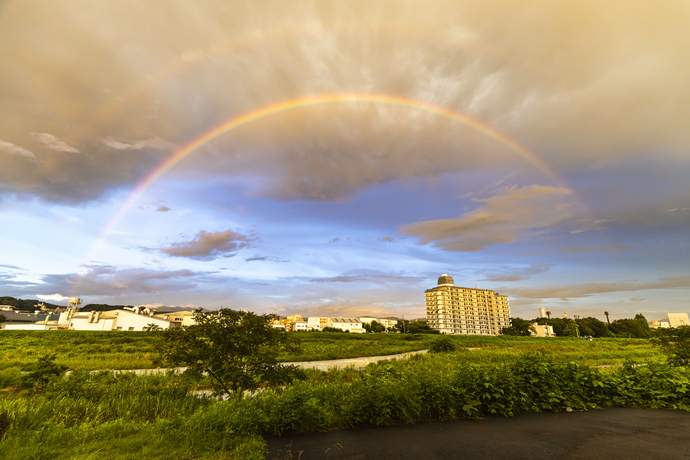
x: 154, y: 142
x: 12, y: 149
x: 107, y: 280
x: 52, y: 297
x: 501, y: 219
x: 209, y: 245
x: 386, y: 239
x: 370, y: 276
x: 605, y: 89
x: 53, y: 143
x: 611, y: 247
x: 334, y: 240
x: 162, y: 208
x: 517, y: 274
x: 110, y: 281
x: 256, y: 258
x: 589, y: 289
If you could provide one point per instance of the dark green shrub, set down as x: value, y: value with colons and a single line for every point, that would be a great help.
x: 442, y: 345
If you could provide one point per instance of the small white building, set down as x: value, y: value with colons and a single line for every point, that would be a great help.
x: 346, y: 324
x: 302, y: 326
x: 177, y: 318
x: 316, y: 322
x: 115, y: 320
x: 542, y: 330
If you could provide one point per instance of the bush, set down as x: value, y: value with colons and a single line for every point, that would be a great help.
x: 442, y: 345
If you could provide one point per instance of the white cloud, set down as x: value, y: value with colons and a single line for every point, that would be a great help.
x: 54, y: 143
x: 12, y: 149
x: 155, y: 143
x: 53, y: 297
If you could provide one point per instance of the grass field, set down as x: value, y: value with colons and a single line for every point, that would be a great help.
x: 93, y: 350
x: 102, y: 415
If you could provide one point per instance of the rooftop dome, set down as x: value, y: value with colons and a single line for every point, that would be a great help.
x: 445, y: 280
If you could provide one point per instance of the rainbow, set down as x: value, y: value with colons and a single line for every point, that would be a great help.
x: 118, y: 102
x: 291, y: 104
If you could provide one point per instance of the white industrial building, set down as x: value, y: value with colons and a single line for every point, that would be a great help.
x: 136, y: 319
x: 346, y: 324
x: 542, y: 330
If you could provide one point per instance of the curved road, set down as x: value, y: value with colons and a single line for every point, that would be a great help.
x: 357, y: 363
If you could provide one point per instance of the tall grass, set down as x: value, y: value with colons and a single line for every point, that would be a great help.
x: 89, y: 415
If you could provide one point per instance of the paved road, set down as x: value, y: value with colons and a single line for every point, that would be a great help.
x: 357, y: 363
x: 614, y: 433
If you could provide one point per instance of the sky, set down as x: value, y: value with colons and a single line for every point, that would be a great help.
x: 335, y: 158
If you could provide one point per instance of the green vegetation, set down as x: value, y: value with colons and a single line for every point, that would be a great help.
x: 89, y: 415
x: 91, y: 350
x: 675, y: 342
x: 25, y: 305
x: 236, y: 349
x: 80, y: 350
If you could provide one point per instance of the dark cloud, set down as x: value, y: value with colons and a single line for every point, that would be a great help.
x: 210, y: 245
x: 255, y: 258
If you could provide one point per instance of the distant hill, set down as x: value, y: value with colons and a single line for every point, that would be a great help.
x: 25, y: 305
x: 102, y: 307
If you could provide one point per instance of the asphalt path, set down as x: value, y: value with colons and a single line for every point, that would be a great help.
x: 357, y: 363
x: 613, y: 433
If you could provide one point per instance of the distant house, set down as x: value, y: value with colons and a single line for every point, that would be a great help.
x: 16, y: 320
x: 177, y: 318
x: 301, y: 326
x: 115, y: 320
x: 346, y: 324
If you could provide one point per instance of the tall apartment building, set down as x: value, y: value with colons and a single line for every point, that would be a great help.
x: 459, y: 310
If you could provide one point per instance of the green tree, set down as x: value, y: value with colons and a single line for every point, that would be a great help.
x: 414, y: 327
x: 636, y: 328
x: 519, y: 326
x: 2, y: 318
x: 571, y: 330
x: 675, y: 342
x: 374, y: 326
x: 237, y: 349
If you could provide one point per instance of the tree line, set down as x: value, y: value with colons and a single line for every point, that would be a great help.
x: 636, y: 327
